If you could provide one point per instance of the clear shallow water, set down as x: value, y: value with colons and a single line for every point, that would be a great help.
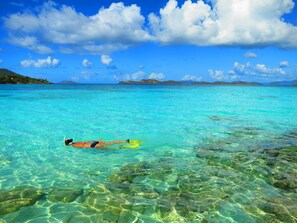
x: 203, y: 156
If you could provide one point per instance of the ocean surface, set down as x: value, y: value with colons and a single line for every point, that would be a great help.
x: 208, y: 154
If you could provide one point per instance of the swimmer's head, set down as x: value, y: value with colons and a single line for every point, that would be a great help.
x: 68, y: 142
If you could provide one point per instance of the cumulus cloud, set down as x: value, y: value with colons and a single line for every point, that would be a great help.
x: 185, y: 24
x: 188, y: 77
x: 106, y: 60
x: 239, y: 68
x: 225, y: 23
x: 86, y: 63
x: 117, y: 26
x: 136, y: 76
x: 41, y: 63
x: 260, y: 70
x: 217, y: 75
x: 250, y: 55
x: 284, y: 64
x: 156, y: 76
x: 31, y: 43
x: 247, y: 23
x: 125, y: 77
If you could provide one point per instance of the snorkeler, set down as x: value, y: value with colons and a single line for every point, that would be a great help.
x: 100, y: 144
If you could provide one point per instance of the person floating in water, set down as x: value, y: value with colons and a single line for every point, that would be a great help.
x: 100, y: 144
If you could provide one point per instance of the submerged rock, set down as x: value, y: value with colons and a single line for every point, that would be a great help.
x: 188, y: 194
x: 13, y: 200
x: 222, y: 118
x: 172, y: 190
x: 128, y: 172
x: 278, y: 210
x: 288, y: 153
x: 283, y: 164
x: 127, y: 216
x: 112, y: 207
x: 144, y: 191
x: 291, y: 205
x: 65, y: 195
x: 215, y: 118
x: 285, y: 181
x: 275, y: 166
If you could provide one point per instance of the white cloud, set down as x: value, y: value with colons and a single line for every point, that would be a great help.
x: 284, y: 64
x: 233, y: 77
x: 156, y: 76
x: 41, y: 63
x: 125, y: 77
x: 226, y: 23
x: 217, y: 75
x: 232, y: 23
x: 1, y: 61
x: 106, y: 60
x: 266, y: 71
x: 112, y: 28
x: 255, y: 70
x: 31, y: 43
x: 239, y: 68
x: 250, y: 55
x: 137, y: 75
x: 188, y: 77
x: 86, y: 63
x: 103, y: 48
x: 261, y: 68
x: 190, y: 23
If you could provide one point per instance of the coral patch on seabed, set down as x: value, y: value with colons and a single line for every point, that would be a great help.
x: 256, y: 182
x: 65, y: 195
x: 13, y: 200
x: 266, y: 178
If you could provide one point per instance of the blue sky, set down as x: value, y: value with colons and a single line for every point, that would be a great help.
x: 106, y: 42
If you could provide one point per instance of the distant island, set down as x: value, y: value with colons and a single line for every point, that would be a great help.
x: 284, y: 83
x: 216, y: 83
x: 152, y: 81
x: 238, y: 83
x: 67, y: 82
x: 10, y: 77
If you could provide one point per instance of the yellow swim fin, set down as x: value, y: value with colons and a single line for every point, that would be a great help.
x: 134, y: 144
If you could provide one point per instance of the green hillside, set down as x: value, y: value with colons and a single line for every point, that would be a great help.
x: 9, y: 77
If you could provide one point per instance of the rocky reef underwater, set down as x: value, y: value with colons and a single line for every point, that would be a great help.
x: 236, y: 179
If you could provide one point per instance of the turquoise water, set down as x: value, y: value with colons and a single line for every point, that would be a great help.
x: 209, y: 154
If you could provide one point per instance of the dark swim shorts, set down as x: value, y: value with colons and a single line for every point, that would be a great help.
x: 94, y: 144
